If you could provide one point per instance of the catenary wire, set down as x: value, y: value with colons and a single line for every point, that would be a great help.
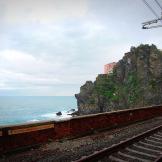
x: 158, y: 4
x: 151, y: 9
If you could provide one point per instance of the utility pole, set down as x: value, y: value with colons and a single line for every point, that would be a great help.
x: 148, y: 24
x: 151, y: 24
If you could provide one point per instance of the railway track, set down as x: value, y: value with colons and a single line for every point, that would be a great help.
x: 145, y: 147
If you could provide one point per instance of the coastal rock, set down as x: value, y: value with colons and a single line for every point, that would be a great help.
x: 59, y: 113
x: 75, y: 113
x: 71, y: 110
x: 136, y: 81
x: 86, y: 100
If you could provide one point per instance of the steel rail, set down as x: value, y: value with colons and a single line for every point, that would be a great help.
x: 98, y: 155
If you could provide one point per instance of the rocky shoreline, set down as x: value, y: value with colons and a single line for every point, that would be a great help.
x: 71, y: 112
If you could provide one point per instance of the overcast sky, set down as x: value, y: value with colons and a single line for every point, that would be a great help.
x: 51, y: 47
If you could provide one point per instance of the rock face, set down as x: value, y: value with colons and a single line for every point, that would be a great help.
x: 136, y: 81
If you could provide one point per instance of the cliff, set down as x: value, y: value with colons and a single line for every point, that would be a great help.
x: 136, y: 81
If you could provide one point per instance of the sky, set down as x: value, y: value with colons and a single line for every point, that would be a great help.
x: 52, y: 47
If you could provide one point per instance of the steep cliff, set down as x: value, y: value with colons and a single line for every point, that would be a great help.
x: 136, y: 81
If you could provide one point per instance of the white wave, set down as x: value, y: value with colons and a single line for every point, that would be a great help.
x: 33, y: 120
x: 54, y: 116
x: 49, y: 115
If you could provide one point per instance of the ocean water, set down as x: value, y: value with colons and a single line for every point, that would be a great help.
x: 19, y: 110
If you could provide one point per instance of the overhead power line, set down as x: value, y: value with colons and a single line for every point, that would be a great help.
x: 151, y: 9
x: 158, y: 4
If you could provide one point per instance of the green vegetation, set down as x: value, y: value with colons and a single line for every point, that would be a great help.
x: 112, y: 90
x: 105, y: 86
x: 132, y: 88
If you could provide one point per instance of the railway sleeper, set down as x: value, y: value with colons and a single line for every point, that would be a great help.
x: 132, y: 156
x: 157, y: 135
x: 137, y: 154
x: 144, y: 150
x: 149, y: 145
x: 122, y: 157
x: 155, y: 139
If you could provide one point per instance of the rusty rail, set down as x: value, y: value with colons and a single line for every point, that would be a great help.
x: 98, y: 155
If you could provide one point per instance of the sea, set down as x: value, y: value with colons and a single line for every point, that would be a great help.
x: 28, y: 109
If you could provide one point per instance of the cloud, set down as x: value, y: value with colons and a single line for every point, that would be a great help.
x: 51, y: 47
x: 42, y: 11
x: 20, y: 61
x: 19, y: 69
